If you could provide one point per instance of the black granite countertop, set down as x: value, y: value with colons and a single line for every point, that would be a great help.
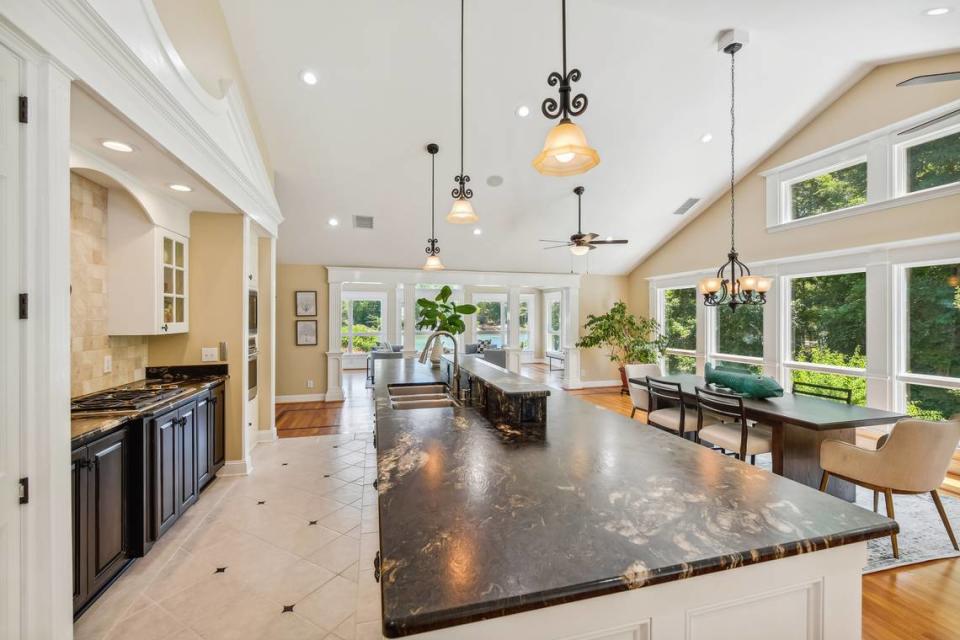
x: 479, y: 521
x: 507, y: 382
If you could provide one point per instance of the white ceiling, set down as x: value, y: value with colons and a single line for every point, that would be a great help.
x: 353, y: 144
x: 91, y: 122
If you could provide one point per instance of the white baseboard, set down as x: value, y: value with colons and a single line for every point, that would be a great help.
x: 267, y: 435
x: 235, y: 468
x: 304, y: 397
x: 593, y: 384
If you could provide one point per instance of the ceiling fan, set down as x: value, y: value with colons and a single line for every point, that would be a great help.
x: 930, y: 78
x: 581, y: 243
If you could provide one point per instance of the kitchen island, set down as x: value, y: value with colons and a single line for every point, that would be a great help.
x: 597, y: 526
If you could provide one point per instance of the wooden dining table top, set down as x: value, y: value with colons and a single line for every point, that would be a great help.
x: 809, y: 412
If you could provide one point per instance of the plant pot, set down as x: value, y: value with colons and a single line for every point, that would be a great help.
x: 435, y: 354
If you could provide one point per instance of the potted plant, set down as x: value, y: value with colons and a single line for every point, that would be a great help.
x: 442, y: 314
x: 629, y: 339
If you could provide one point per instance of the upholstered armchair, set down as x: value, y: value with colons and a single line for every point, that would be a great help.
x: 638, y: 393
x: 913, y: 459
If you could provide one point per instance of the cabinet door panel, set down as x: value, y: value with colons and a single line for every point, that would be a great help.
x: 107, y: 526
x: 78, y: 474
x: 204, y: 459
x: 219, y: 425
x: 188, y: 456
x: 164, y: 474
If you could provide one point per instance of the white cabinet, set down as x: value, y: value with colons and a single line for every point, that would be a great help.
x: 147, y: 273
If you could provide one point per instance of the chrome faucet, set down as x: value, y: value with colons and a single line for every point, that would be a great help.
x: 425, y: 354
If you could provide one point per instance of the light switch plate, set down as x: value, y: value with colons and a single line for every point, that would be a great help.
x: 309, y: 384
x: 209, y: 354
x: 107, y: 364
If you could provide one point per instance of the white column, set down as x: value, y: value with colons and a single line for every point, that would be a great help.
x: 409, y: 320
x: 513, y: 330
x: 570, y: 307
x: 334, y: 355
x: 777, y: 302
x: 880, y: 349
x: 393, y: 315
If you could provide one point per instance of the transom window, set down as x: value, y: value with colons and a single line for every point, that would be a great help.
x: 362, y: 324
x: 832, y: 191
x: 680, y: 329
x: 933, y: 163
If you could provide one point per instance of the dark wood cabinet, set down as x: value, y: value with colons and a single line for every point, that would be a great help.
x: 217, y: 408
x: 187, y: 454
x: 163, y: 475
x: 102, y: 480
x: 204, y: 439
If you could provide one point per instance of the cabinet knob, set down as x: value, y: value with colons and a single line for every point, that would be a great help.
x: 164, y: 326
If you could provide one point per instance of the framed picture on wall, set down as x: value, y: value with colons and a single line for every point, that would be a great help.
x: 306, y: 303
x: 306, y: 333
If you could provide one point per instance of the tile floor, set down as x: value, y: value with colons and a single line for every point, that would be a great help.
x: 284, y: 553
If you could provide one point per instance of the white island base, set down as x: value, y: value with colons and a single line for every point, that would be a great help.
x: 815, y: 596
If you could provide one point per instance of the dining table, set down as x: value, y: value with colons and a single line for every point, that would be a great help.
x: 799, y: 424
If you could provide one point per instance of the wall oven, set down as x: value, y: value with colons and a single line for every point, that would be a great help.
x: 252, y: 309
x: 252, y: 375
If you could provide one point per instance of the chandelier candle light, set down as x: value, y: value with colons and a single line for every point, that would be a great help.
x: 462, y: 210
x: 565, y: 152
x: 433, y: 250
x: 734, y: 284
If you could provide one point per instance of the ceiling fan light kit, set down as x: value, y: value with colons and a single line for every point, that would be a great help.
x: 461, y: 212
x: 566, y: 151
x: 733, y: 284
x: 433, y: 248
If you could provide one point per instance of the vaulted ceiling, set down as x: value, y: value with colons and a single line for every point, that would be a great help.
x: 353, y: 144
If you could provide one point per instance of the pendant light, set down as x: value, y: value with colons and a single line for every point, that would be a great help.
x: 565, y: 152
x: 733, y: 285
x: 433, y: 250
x: 462, y: 210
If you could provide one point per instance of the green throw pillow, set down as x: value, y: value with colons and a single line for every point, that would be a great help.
x: 746, y: 384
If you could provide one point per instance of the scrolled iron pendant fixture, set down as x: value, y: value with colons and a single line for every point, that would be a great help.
x: 565, y: 152
x: 462, y: 210
x: 734, y: 285
x: 433, y: 248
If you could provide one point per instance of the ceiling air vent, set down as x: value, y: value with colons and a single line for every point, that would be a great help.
x: 686, y: 206
x: 363, y: 222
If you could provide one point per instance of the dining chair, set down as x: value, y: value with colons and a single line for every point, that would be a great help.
x: 914, y: 459
x: 722, y: 421
x: 842, y: 394
x: 638, y: 393
x: 671, y: 418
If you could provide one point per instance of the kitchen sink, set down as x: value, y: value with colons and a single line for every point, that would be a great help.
x: 420, y: 396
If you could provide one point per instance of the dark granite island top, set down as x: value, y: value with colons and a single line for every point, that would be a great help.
x: 478, y: 521
x: 498, y: 377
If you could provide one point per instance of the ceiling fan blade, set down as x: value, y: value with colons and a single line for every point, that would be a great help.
x: 563, y: 241
x: 609, y: 242
x: 590, y: 236
x: 924, y: 125
x: 930, y: 78
x: 559, y: 246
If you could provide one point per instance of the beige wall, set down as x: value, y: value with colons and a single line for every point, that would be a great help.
x: 872, y: 103
x: 198, y: 31
x: 597, y: 295
x: 217, y: 301
x: 89, y: 342
x: 296, y: 365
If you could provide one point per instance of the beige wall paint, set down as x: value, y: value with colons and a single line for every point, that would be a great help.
x: 198, y: 31
x: 871, y: 104
x: 597, y: 295
x: 218, y: 297
x: 89, y: 342
x: 296, y: 365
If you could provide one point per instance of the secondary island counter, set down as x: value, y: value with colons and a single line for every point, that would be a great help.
x: 597, y: 526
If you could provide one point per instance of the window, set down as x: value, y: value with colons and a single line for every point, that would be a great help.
x: 680, y: 328
x: 430, y: 291
x: 829, y: 332
x: 839, y: 189
x: 526, y: 320
x: 738, y: 338
x: 932, y: 341
x: 933, y: 163
x: 361, y: 322
x: 491, y: 318
x: 553, y: 321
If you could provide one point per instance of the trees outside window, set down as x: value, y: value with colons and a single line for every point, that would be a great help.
x: 361, y: 324
x: 933, y: 163
x: 680, y: 329
x: 553, y: 321
x: 491, y: 319
x: 831, y: 191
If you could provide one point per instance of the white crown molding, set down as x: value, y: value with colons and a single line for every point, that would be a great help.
x: 339, y: 275
x: 120, y: 51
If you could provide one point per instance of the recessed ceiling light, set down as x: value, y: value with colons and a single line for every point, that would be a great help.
x: 938, y: 11
x: 309, y: 77
x: 495, y: 181
x: 478, y: 231
x: 705, y: 138
x: 116, y: 145
x: 180, y: 187
x: 523, y: 111
x: 333, y: 222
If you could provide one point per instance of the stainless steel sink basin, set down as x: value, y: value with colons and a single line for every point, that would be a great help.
x: 420, y: 396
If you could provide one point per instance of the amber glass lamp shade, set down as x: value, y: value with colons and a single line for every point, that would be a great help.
x: 566, y: 152
x: 462, y: 212
x: 433, y: 264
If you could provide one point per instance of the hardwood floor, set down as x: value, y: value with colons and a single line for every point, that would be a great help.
x: 919, y: 602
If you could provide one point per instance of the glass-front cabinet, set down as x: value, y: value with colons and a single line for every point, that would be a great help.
x: 173, y: 307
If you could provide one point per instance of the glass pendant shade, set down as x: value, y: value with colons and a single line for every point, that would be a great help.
x: 579, y: 250
x: 711, y: 285
x: 566, y: 152
x: 433, y: 264
x: 462, y: 212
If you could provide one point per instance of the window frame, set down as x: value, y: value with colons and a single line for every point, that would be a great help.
x: 712, y: 340
x: 503, y: 301
x: 352, y: 296
x: 531, y: 300
x: 787, y: 185
x: 549, y: 298
x: 661, y: 319
x: 902, y: 148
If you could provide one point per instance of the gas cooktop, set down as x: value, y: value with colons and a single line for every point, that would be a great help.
x: 124, y: 399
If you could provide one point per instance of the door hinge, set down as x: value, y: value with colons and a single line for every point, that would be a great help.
x: 24, y: 306
x: 23, y: 110
x: 24, y: 490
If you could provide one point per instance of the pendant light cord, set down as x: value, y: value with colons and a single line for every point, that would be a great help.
x: 433, y: 196
x: 462, y: 3
x: 564, y: 23
x: 733, y: 128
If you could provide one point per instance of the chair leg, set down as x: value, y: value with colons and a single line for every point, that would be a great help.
x: 943, y: 516
x: 824, y: 480
x: 876, y: 500
x: 753, y: 459
x: 633, y: 413
x: 888, y: 494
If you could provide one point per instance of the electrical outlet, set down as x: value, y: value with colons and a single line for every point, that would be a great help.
x: 208, y: 354
x: 309, y: 384
x: 107, y: 364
